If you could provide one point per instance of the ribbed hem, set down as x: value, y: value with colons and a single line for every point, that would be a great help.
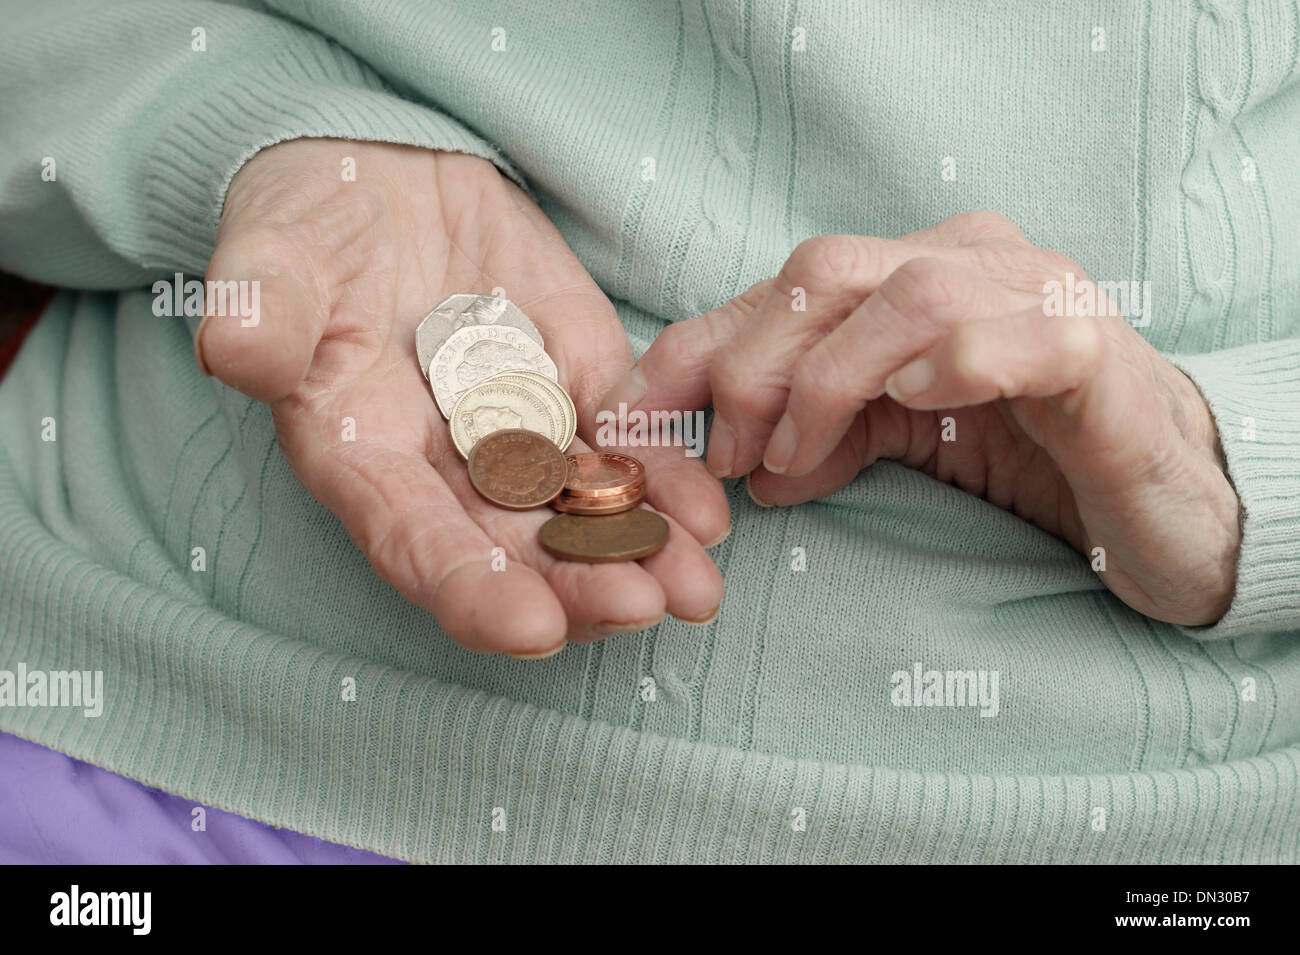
x: 253, y: 723
x: 309, y: 89
x: 1254, y: 395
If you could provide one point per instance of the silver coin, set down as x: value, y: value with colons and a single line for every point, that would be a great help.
x: 530, y: 379
x: 494, y: 405
x: 461, y: 310
x: 478, y: 352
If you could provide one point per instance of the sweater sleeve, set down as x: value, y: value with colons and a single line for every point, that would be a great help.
x: 122, y: 123
x: 1253, y: 392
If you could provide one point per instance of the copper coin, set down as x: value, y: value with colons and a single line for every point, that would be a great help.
x: 599, y: 540
x: 599, y: 505
x: 517, y: 469
x: 603, y: 474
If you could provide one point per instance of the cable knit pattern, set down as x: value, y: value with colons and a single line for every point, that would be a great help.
x: 683, y: 148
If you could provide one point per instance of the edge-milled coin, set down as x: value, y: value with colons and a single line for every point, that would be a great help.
x: 517, y: 469
x: 568, y: 504
x: 630, y: 535
x: 495, y: 405
x: 599, y: 474
x: 537, y: 382
x: 476, y: 353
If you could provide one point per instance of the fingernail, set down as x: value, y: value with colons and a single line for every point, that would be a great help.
x: 628, y: 391
x: 910, y: 380
x: 749, y: 489
x: 725, y: 535
x: 781, y: 446
x: 540, y: 655
x: 198, y: 347
x: 610, y: 627
x: 722, y: 448
x: 706, y: 621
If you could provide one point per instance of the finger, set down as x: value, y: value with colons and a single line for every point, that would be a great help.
x: 678, y: 484
x: 265, y: 349
x: 578, y: 323
x: 820, y: 284
x: 769, y: 489
x: 673, y: 373
x: 597, y: 599
x: 691, y: 581
x: 604, y: 599
x: 595, y: 352
x: 584, y: 336
x: 833, y: 381
x: 417, y: 536
x: 970, y: 228
x: 884, y: 429
x: 1023, y: 355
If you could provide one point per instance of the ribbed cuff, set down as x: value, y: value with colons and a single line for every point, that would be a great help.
x: 1254, y: 395
x: 313, y: 92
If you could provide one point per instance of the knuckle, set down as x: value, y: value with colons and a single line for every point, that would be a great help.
x: 738, y: 392
x: 1080, y: 342
x: 921, y: 287
x: 748, y: 301
x: 824, y: 260
x: 685, y: 343
x: 975, y: 365
x: 1023, y: 268
x: 980, y: 225
x: 965, y: 363
x: 726, y: 377
x: 1054, y: 264
x: 249, y: 249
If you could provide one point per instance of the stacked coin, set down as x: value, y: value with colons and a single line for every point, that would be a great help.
x: 511, y: 420
x: 601, y: 482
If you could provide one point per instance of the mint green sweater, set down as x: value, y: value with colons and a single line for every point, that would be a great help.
x: 1150, y: 141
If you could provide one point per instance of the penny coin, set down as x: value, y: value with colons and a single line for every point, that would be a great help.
x: 600, y: 474
x: 536, y: 382
x: 569, y: 504
x: 630, y: 535
x: 456, y: 312
x: 498, y: 405
x: 476, y: 353
x: 517, y: 469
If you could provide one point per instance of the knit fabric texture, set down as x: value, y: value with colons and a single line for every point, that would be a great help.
x: 683, y: 149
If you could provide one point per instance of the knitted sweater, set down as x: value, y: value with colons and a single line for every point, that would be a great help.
x: 899, y: 672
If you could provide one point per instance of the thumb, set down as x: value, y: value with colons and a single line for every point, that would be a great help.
x: 264, y: 314
x: 674, y: 371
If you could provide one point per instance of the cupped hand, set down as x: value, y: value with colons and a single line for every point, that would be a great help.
x: 348, y: 266
x: 938, y: 350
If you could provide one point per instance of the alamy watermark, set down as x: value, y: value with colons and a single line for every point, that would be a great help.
x: 75, y: 907
x: 58, y: 688
x: 175, y: 297
x: 651, y: 429
x: 1084, y: 298
x: 952, y: 688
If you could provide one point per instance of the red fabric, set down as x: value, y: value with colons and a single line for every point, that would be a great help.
x: 26, y: 303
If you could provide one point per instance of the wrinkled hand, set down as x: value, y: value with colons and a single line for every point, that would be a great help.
x: 1074, y: 423
x: 347, y: 271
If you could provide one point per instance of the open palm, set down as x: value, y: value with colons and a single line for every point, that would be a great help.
x: 347, y: 269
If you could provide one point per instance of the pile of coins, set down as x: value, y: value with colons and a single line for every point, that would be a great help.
x: 511, y: 421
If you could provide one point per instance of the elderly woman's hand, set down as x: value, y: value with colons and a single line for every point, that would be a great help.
x: 1074, y: 423
x: 347, y: 270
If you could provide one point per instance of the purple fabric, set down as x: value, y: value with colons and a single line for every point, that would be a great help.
x: 58, y: 810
